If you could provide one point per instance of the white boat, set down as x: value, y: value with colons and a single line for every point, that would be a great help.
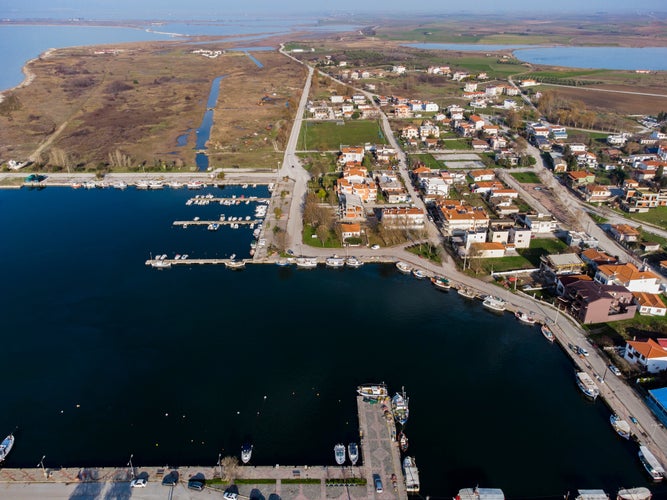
x: 403, y: 267
x: 339, y: 453
x: 195, y: 185
x: 587, y: 386
x: 120, y: 185
x: 353, y: 262
x: 306, y: 262
x: 335, y: 261
x: 235, y: 264
x: 185, y: 256
x: 480, y: 494
x: 525, y: 318
x: 640, y: 493
x: 399, y: 405
x: 441, y: 283
x: 411, y: 475
x: 213, y: 227
x: 141, y: 185
x: 161, y: 264
x: 175, y: 185
x: 419, y: 274
x: 621, y: 426
x: 466, y: 292
x: 353, y: 453
x: 246, y: 453
x: 6, y: 446
x: 155, y: 185
x: 591, y: 495
x: 548, y: 334
x: 651, y: 464
x: 373, y: 391
x: 494, y: 303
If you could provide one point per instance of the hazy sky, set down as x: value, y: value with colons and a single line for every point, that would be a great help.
x: 216, y: 9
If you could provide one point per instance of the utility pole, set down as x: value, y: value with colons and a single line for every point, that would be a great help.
x: 41, y: 464
x: 129, y: 464
x: 220, y: 464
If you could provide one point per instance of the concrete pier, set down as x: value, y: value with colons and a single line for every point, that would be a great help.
x: 379, y: 455
x: 186, y: 223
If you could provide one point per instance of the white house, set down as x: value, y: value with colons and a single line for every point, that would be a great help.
x: 648, y: 354
x: 629, y: 276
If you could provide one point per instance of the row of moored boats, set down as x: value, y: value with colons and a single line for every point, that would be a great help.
x: 146, y: 185
x: 312, y: 262
x: 640, y: 493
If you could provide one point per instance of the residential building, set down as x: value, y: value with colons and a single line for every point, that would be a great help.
x: 580, y: 178
x: 591, y: 302
x: 403, y: 218
x: 648, y: 354
x: 565, y: 263
x: 649, y: 304
x: 487, y: 250
x: 539, y: 223
x: 351, y: 154
x: 520, y: 237
x: 581, y: 239
x: 482, y: 175
x: 624, y: 233
x: 350, y: 230
x: 594, y: 258
x: 459, y: 217
x: 629, y: 276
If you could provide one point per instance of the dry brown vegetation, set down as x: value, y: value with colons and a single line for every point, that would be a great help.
x: 85, y: 111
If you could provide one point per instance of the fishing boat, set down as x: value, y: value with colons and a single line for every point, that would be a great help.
x: 334, y: 261
x: 411, y: 475
x: 306, y: 263
x: 175, y: 185
x: 403, y: 267
x: 353, y: 453
x: 494, y: 303
x: 6, y: 446
x: 120, y: 185
x: 373, y: 391
x: 246, y: 453
x: 466, y: 293
x: 587, y: 386
x: 155, y: 185
x: 399, y: 405
x: 339, y: 453
x: 525, y: 318
x: 651, y: 463
x: 640, y: 493
x: 141, y: 185
x: 235, y: 264
x: 403, y: 442
x: 591, y: 495
x: 480, y: 494
x: 353, y: 262
x: 621, y: 426
x: 161, y: 264
x: 548, y: 334
x: 213, y: 227
x: 441, y: 283
x: 195, y: 185
x: 419, y: 274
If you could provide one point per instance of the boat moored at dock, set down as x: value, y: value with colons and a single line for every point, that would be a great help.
x: 651, y: 464
x: 373, y: 391
x: 480, y: 494
x: 587, y: 386
x: 353, y: 453
x: 591, y: 495
x: 411, y: 475
x: 235, y: 264
x: 403, y: 442
x: 621, y: 426
x: 306, y: 263
x: 494, y: 303
x: 353, y: 262
x: 640, y: 493
x: 548, y: 334
x: 399, y: 405
x: 404, y: 267
x: 441, y: 283
x: 526, y: 318
x: 419, y: 274
x: 467, y: 293
x: 6, y: 446
x: 246, y: 453
x: 339, y: 453
x: 335, y: 262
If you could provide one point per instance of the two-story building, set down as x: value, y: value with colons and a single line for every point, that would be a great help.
x: 649, y: 354
x: 629, y: 276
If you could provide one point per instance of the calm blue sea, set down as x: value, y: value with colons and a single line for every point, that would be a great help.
x: 104, y: 357
x: 621, y: 58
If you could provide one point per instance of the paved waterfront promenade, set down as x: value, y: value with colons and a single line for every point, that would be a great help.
x: 379, y: 455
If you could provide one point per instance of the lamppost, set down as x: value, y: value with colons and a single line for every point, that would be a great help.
x: 220, y: 464
x: 41, y: 464
x: 129, y: 464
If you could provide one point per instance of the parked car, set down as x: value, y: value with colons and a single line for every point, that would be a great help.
x: 170, y: 479
x: 378, y: 483
x: 196, y: 484
x: 230, y: 495
x: 615, y: 370
x: 139, y: 482
x: 581, y: 351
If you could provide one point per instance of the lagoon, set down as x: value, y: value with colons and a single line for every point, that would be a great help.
x: 615, y: 58
x: 177, y: 365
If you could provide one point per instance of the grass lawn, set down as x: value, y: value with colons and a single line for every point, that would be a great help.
x: 456, y: 144
x: 656, y: 216
x: 528, y: 258
x: 308, y: 239
x: 426, y: 251
x: 428, y: 160
x: 526, y: 177
x: 328, y: 136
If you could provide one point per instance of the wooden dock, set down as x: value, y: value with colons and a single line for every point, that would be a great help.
x: 229, y: 201
x: 186, y: 223
x: 167, y: 263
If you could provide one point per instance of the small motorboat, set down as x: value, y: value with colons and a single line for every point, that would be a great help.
x: 353, y: 453
x: 246, y: 453
x: 525, y: 318
x: 548, y: 334
x: 6, y: 446
x: 403, y: 442
x: 441, y: 283
x: 339, y: 453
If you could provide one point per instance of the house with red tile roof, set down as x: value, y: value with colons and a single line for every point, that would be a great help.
x: 629, y: 276
x: 648, y: 354
x: 649, y: 304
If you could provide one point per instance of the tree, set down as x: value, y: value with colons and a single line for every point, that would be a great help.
x: 512, y: 119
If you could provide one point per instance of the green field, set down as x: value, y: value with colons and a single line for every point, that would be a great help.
x: 428, y: 160
x: 328, y: 136
x: 527, y: 177
x: 656, y: 216
x: 528, y: 258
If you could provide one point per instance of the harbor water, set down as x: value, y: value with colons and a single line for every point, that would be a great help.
x: 105, y: 357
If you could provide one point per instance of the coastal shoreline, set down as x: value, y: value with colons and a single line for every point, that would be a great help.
x: 29, y: 75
